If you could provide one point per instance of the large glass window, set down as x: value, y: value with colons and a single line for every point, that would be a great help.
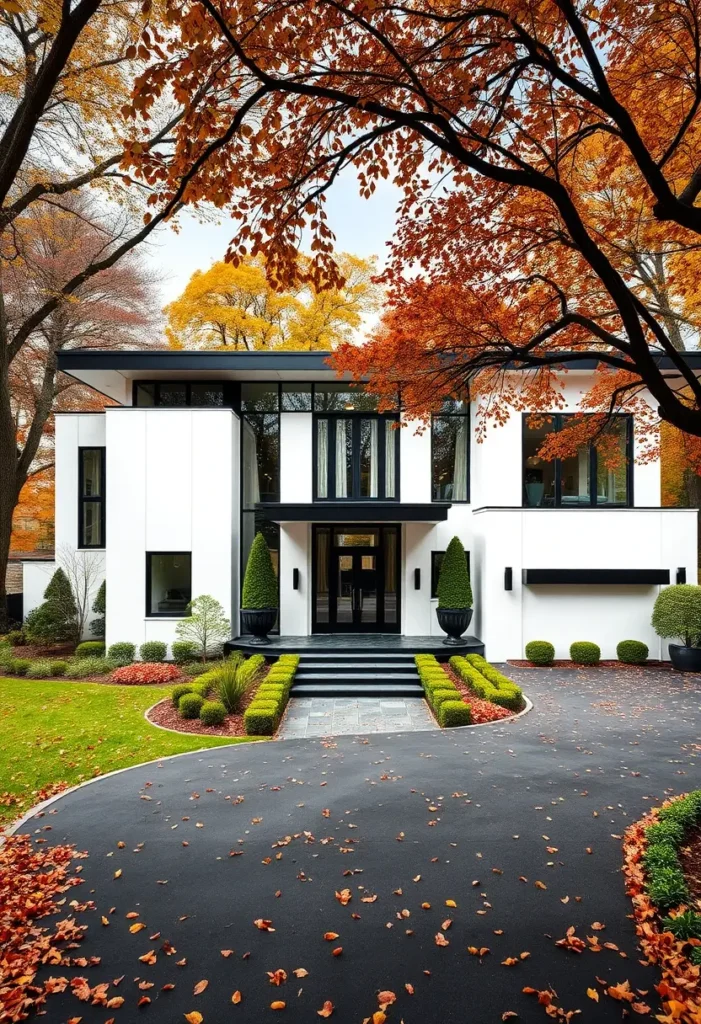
x: 340, y: 396
x: 91, y: 497
x: 168, y: 583
x: 356, y: 457
x: 582, y: 479
x: 450, y: 452
x: 177, y: 394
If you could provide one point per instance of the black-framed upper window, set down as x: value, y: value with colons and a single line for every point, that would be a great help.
x: 583, y: 480
x: 178, y: 394
x: 168, y: 583
x: 450, y: 452
x: 91, y: 497
x: 356, y: 457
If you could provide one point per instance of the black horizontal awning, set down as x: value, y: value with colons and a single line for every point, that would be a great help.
x: 354, y: 512
x: 600, y: 576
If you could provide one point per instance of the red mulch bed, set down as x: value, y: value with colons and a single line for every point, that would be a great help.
x: 166, y: 715
x: 482, y: 710
x: 565, y: 663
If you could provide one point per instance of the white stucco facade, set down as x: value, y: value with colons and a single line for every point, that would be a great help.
x: 173, y: 481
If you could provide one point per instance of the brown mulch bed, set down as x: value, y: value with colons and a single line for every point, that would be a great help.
x: 690, y: 856
x: 482, y: 710
x: 53, y: 652
x: 566, y: 663
x: 166, y: 715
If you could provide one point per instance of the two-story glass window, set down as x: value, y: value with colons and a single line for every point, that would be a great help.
x: 450, y: 451
x: 91, y: 497
x: 583, y: 479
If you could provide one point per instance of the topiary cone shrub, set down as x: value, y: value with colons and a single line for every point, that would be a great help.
x: 454, y: 590
x: 259, y: 581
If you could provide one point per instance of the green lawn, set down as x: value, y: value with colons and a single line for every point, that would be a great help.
x: 54, y: 732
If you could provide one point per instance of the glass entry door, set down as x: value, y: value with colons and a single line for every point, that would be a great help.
x: 356, y: 576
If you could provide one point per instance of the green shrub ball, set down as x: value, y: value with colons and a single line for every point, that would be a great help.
x: 190, y: 705
x: 122, y: 653
x: 90, y: 649
x: 632, y: 652
x: 153, y: 650
x: 58, y: 668
x: 179, y: 691
x: 540, y: 652
x: 184, y: 651
x: 582, y: 652
x: 212, y: 712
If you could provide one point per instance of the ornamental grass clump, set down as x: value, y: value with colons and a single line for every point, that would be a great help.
x: 232, y: 684
x: 540, y: 652
x: 39, y: 670
x: 454, y: 590
x: 83, y: 668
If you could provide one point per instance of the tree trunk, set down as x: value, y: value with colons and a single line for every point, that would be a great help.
x: 9, y: 490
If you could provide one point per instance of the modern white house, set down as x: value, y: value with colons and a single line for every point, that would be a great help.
x: 168, y: 488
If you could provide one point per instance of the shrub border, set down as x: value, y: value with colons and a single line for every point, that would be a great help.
x: 659, y: 946
x: 527, y: 706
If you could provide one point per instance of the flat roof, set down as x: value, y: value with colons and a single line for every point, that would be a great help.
x: 109, y: 370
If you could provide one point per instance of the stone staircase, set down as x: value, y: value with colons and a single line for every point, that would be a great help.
x: 367, y: 674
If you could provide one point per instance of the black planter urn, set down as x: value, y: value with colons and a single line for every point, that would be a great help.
x: 258, y: 622
x: 454, y: 622
x: 685, y: 659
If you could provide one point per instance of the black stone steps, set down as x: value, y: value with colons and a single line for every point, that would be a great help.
x: 334, y: 667
x: 346, y: 689
x: 368, y: 674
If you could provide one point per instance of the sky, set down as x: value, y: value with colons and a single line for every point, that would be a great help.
x: 362, y: 227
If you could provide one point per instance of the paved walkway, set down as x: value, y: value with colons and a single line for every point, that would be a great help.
x: 342, y: 716
x: 499, y: 839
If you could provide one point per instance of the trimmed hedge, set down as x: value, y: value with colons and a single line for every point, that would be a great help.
x: 190, y: 705
x: 583, y: 652
x: 454, y: 712
x: 262, y: 716
x: 212, y: 712
x: 153, y: 650
x: 90, y: 649
x: 179, y: 691
x: 122, y: 653
x: 440, y: 690
x: 665, y: 881
x: 487, y: 682
x: 540, y: 652
x: 632, y: 652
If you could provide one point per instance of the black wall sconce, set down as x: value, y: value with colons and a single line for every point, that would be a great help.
x: 681, y: 574
x: 417, y: 579
x: 295, y: 579
x: 508, y: 578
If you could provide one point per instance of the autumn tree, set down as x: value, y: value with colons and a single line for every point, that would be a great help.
x: 479, y: 114
x: 237, y: 307
x: 66, y: 74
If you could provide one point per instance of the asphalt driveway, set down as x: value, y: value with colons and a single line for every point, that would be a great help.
x: 498, y: 838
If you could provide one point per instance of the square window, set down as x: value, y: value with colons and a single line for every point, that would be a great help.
x: 260, y: 397
x: 206, y: 395
x: 296, y: 398
x: 145, y: 395
x: 168, y: 583
x: 172, y: 394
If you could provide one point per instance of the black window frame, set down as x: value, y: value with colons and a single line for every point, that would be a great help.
x: 83, y: 498
x: 162, y: 615
x: 558, y: 418
x: 228, y: 393
x: 355, y: 417
x: 445, y: 414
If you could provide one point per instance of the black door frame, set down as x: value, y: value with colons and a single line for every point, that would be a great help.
x: 379, y: 552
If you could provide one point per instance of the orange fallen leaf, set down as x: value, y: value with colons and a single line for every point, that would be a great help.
x: 226, y: 952
x: 593, y: 994
x: 277, y: 1005
x: 137, y: 927
x: 236, y: 998
x: 264, y: 925
x: 118, y: 873
x: 337, y: 951
x: 148, y: 958
x: 540, y: 885
x: 200, y: 987
x: 344, y: 897
x: 441, y: 940
x: 446, y: 924
x: 326, y: 1010
x: 194, y: 1017
x: 450, y: 903
x: 510, y: 961
x: 277, y: 977
x: 409, y: 988
x: 299, y: 972
x: 385, y: 999
x: 330, y: 936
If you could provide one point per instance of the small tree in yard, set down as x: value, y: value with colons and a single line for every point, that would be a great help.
x: 206, y: 625
x: 260, y: 581
x: 83, y: 569
x: 454, y: 590
x: 56, y: 620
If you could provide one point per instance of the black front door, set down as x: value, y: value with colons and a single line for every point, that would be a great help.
x: 356, y: 575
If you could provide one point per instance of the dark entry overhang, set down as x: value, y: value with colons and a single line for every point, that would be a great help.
x: 354, y: 512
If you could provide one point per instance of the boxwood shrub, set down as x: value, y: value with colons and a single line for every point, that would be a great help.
x: 184, y: 651
x: 540, y: 652
x: 122, y: 653
x: 90, y: 649
x: 439, y: 697
x: 583, y: 652
x: 212, y: 712
x: 179, y: 691
x: 262, y: 716
x: 190, y: 705
x: 632, y: 652
x: 58, y: 668
x: 454, y: 712
x: 259, y: 721
x: 153, y: 650
x: 18, y: 666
